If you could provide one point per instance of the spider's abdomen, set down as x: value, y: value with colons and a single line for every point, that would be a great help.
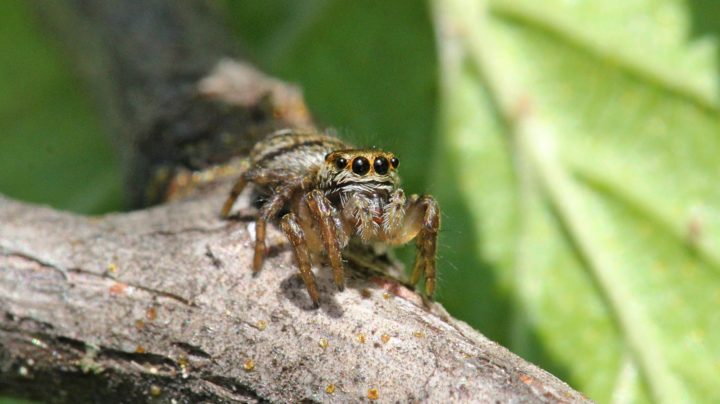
x: 293, y: 152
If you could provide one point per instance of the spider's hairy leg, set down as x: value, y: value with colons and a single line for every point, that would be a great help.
x: 268, y: 212
x: 234, y: 194
x: 422, y: 220
x: 258, y: 177
x: 324, y: 215
x: 294, y: 233
x: 358, y: 208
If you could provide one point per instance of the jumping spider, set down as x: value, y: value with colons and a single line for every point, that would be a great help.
x: 324, y: 192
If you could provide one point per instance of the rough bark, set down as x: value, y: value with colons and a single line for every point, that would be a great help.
x: 160, y: 304
x: 106, y: 308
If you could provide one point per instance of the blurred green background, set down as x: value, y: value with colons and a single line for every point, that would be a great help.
x: 573, y: 146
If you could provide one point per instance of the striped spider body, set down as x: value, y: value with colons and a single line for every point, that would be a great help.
x: 324, y: 193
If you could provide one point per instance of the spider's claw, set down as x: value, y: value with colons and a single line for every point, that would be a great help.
x: 259, y: 257
x: 429, y: 287
x: 316, y: 305
x: 257, y: 264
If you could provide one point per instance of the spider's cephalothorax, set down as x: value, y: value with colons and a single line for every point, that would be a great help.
x: 324, y: 192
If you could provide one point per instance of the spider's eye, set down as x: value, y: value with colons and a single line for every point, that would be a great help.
x: 394, y: 162
x: 381, y: 165
x: 361, y: 166
x: 341, y: 163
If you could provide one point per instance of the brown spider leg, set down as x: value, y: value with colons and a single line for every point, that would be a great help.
x: 258, y: 177
x: 419, y: 261
x: 268, y: 211
x: 426, y: 241
x: 324, y: 214
x: 295, y: 234
x: 234, y: 194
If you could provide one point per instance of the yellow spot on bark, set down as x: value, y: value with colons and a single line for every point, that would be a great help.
x: 373, y: 394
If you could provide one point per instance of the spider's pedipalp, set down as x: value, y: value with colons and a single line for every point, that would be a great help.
x: 358, y: 209
x: 394, y: 212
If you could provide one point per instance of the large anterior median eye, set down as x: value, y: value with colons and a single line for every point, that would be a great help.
x: 360, y: 166
x: 381, y: 165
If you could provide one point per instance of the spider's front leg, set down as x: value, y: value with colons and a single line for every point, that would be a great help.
x: 294, y: 233
x: 333, y: 236
x: 422, y: 221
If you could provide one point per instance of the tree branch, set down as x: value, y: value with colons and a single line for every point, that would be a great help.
x: 143, y: 60
x: 106, y: 308
x: 161, y: 302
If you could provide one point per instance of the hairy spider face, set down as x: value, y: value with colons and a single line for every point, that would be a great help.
x: 360, y: 170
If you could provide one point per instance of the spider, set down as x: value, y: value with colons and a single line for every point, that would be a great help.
x: 326, y: 193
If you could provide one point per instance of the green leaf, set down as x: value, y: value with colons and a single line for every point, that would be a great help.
x: 52, y: 147
x: 585, y: 136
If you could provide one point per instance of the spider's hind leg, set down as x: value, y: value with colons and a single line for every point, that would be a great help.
x: 235, y: 192
x: 267, y: 213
